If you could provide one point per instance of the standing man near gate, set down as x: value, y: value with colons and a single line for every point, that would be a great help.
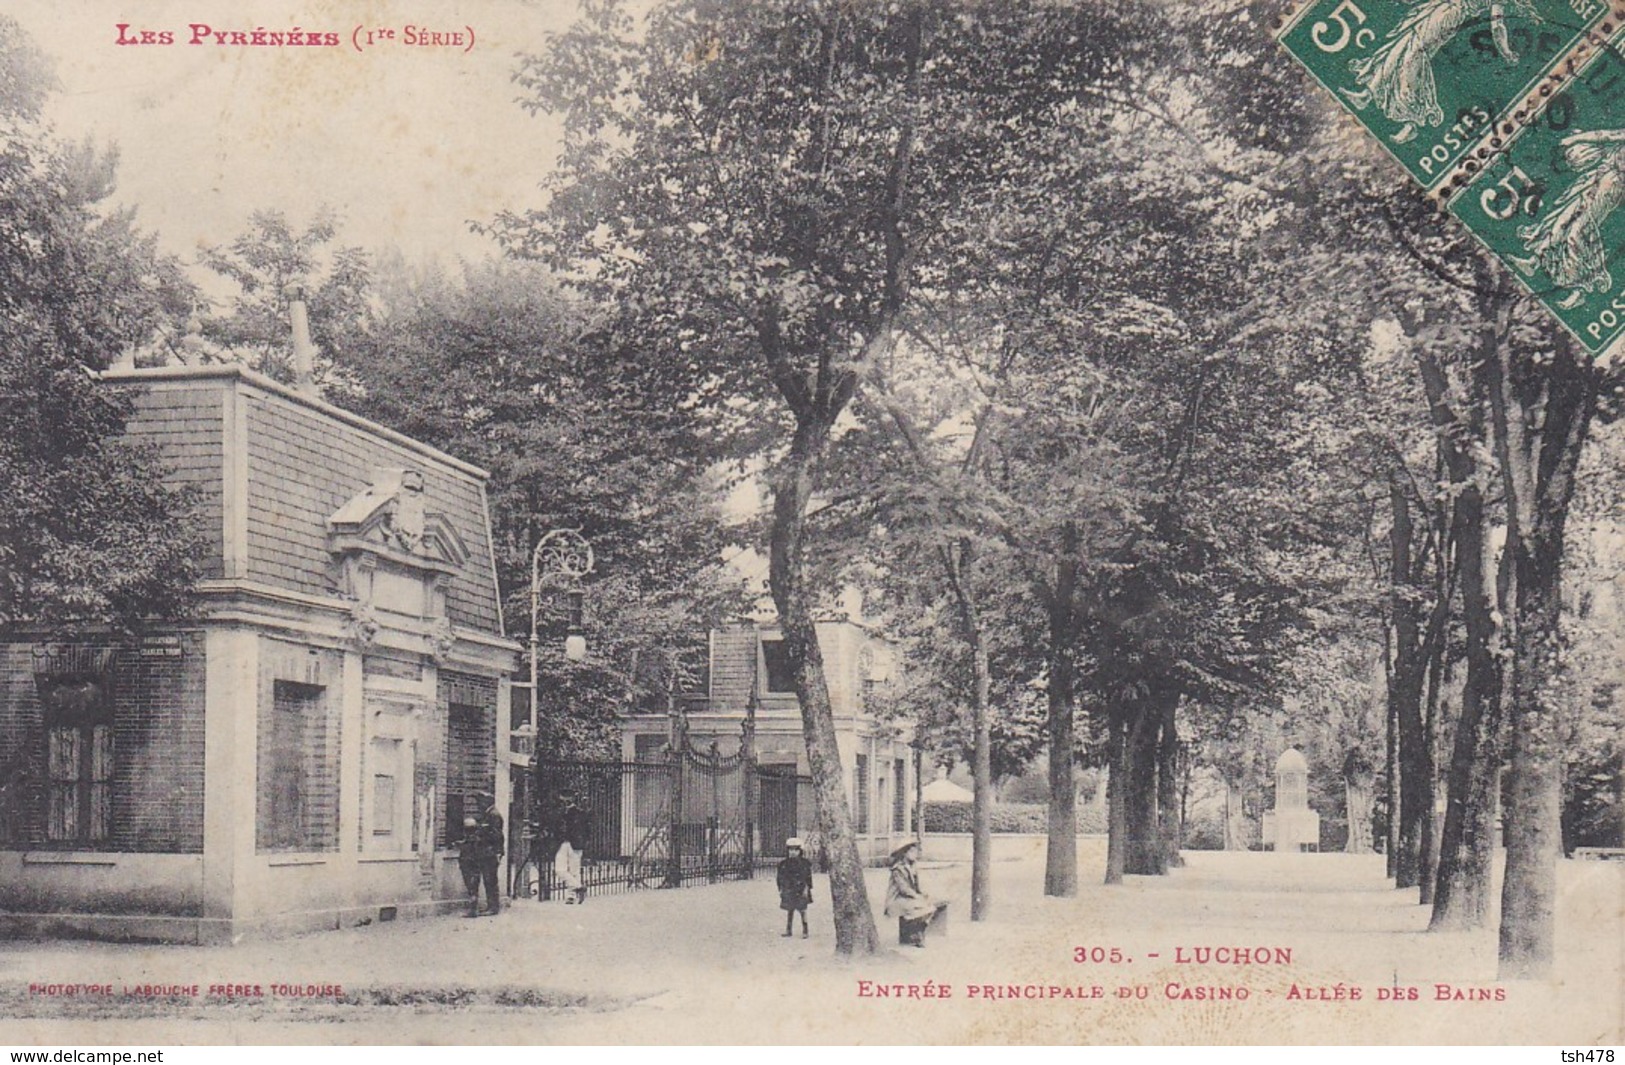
x: 488, y: 841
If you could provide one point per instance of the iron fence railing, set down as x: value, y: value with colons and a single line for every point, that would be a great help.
x: 691, y: 817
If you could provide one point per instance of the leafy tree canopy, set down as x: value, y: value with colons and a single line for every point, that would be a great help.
x: 89, y: 534
x: 498, y: 366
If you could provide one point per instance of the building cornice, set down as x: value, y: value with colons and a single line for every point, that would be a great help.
x: 328, y: 618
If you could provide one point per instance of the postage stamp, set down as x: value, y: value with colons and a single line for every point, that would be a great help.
x: 317, y: 810
x: 1430, y: 80
x: 1547, y: 204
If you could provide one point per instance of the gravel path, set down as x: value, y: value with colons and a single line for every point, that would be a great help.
x: 708, y: 965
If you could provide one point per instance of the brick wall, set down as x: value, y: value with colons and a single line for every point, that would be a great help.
x: 733, y: 667
x: 157, y: 792
x: 468, y: 706
x: 158, y: 750
x: 185, y: 424
x: 303, y: 465
x: 21, y: 742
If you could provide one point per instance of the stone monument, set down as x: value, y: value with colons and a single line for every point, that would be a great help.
x: 1292, y: 825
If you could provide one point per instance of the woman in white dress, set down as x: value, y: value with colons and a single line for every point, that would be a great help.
x: 567, y: 871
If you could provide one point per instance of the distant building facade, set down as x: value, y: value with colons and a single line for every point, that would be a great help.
x: 300, y: 754
x: 746, y: 663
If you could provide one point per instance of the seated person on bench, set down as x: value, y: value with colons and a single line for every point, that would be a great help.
x: 913, y: 908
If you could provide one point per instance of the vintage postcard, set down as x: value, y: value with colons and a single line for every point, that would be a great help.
x: 538, y: 523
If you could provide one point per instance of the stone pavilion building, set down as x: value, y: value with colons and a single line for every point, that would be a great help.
x: 300, y: 754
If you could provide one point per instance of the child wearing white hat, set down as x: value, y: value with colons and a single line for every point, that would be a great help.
x: 795, y: 886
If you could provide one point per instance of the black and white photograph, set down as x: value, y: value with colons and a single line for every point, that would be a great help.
x: 812, y: 522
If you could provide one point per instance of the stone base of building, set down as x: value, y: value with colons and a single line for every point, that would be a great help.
x: 211, y: 931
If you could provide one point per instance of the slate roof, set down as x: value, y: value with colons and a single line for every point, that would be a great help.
x: 300, y: 460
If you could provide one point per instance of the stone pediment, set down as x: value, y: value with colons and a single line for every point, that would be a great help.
x: 388, y: 520
x: 393, y: 560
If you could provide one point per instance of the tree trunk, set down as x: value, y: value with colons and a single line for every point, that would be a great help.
x: 981, y: 867
x: 1235, y: 821
x: 1061, y: 852
x: 854, y: 920
x: 1357, y: 801
x: 1390, y: 821
x: 1542, y: 416
x: 1534, y: 830
x: 959, y: 561
x: 1461, y: 897
x: 1170, y: 808
x: 1117, y: 796
x: 1433, y: 656
x: 1142, y: 850
x: 1405, y: 693
x: 1435, y: 681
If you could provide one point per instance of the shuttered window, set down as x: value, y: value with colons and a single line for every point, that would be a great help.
x: 860, y: 787
x: 298, y: 786
x: 899, y: 797
x: 79, y: 760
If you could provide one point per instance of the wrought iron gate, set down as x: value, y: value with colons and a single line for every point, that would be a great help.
x: 785, y: 808
x: 694, y: 815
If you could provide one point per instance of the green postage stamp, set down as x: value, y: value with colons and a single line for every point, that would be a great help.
x: 1547, y: 203
x: 1512, y: 112
x: 1430, y: 79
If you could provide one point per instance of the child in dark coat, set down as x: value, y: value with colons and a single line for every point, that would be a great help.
x: 795, y: 886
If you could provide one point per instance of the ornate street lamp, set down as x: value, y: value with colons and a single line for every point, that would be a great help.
x: 561, y: 553
x: 566, y: 554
